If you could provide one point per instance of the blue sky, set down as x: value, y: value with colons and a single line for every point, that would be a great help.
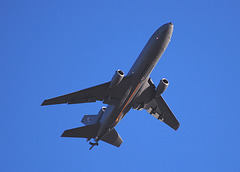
x: 50, y: 48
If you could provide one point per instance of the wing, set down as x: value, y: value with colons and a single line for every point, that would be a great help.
x: 160, y: 110
x: 156, y: 106
x: 100, y: 92
x: 87, y: 95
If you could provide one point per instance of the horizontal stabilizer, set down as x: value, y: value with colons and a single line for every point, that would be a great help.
x: 89, y: 119
x: 89, y: 132
x: 113, y: 138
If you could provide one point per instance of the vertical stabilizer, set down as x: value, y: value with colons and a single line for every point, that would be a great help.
x: 90, y: 119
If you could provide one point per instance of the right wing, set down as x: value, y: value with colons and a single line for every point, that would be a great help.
x: 100, y: 92
x: 156, y: 106
x: 160, y: 110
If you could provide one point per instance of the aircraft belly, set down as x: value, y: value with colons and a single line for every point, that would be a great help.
x: 113, y: 114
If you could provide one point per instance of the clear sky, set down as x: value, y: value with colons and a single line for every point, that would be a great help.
x: 49, y: 48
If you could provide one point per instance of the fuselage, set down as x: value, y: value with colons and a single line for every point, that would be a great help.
x: 139, y: 74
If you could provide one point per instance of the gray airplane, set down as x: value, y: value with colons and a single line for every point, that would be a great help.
x: 135, y: 90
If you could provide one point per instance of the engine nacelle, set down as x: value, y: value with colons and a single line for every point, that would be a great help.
x: 100, y: 113
x: 102, y: 110
x: 117, y: 78
x: 162, y: 86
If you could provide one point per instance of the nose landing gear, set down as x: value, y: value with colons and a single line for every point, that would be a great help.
x: 93, y: 144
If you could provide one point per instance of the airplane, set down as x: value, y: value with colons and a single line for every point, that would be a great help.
x: 136, y: 90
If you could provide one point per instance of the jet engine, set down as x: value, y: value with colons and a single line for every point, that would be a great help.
x: 162, y: 86
x: 100, y: 113
x: 117, y: 78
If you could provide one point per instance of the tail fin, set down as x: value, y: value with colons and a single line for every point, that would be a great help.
x: 113, y: 138
x: 88, y: 132
x: 89, y: 119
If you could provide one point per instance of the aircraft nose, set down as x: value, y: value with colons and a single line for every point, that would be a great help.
x: 168, y: 28
x: 163, y: 35
x: 165, y: 29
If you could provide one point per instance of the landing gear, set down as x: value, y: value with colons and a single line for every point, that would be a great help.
x: 93, y: 144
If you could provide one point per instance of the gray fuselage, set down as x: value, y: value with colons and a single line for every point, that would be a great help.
x: 139, y: 74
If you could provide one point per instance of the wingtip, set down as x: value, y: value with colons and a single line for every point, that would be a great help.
x: 176, y: 127
x: 64, y: 134
x: 43, y: 103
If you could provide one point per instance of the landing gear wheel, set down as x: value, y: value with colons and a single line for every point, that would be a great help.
x: 93, y: 144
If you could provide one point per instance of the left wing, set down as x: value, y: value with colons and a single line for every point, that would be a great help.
x: 100, y: 92
x: 87, y: 95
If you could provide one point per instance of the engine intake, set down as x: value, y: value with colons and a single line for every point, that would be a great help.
x: 117, y: 78
x: 162, y: 86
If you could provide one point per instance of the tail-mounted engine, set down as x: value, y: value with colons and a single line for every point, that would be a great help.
x: 162, y: 86
x: 102, y: 110
x: 117, y: 78
x: 93, y: 119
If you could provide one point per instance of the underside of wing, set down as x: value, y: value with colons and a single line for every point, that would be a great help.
x: 155, y: 105
x: 100, y: 92
x: 160, y: 110
x: 87, y: 95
